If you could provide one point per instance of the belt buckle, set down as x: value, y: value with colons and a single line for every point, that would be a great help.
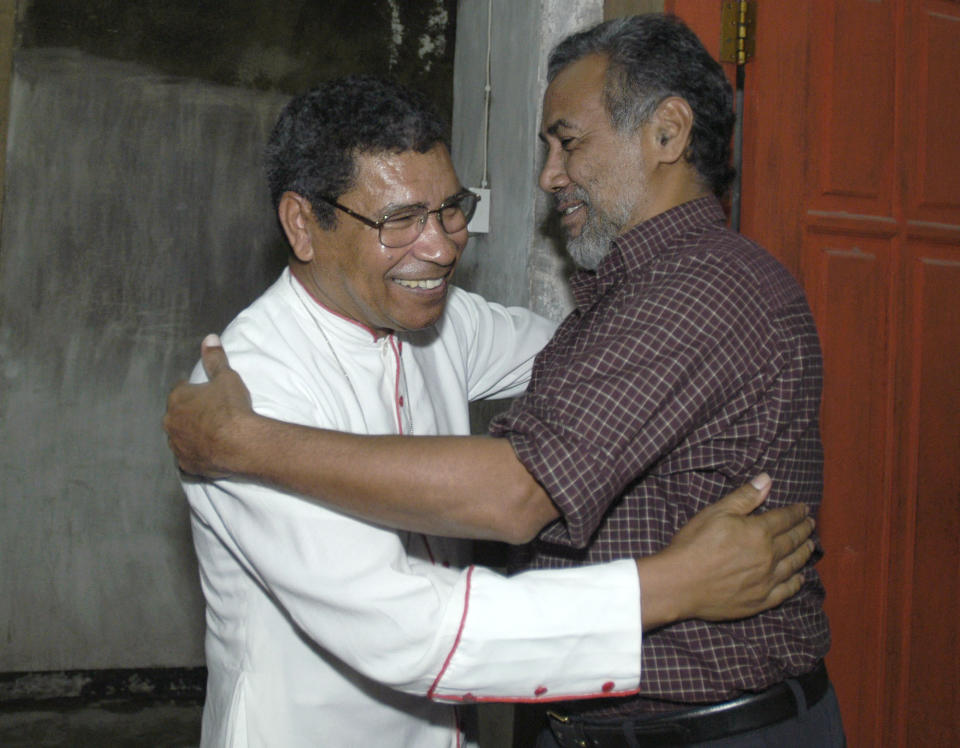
x: 569, y: 729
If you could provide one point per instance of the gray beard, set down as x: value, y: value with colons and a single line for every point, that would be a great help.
x: 589, y: 248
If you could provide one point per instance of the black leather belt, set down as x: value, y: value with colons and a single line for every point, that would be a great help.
x: 748, y: 712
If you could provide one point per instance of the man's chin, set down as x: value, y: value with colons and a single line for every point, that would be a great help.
x: 586, y: 255
x: 591, y: 241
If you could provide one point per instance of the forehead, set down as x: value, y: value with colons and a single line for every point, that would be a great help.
x: 574, y: 98
x: 389, y: 179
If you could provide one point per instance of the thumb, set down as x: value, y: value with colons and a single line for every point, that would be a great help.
x: 748, y: 497
x: 213, y: 356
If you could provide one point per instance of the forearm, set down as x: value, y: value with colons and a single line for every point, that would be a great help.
x: 470, y: 487
x: 464, y: 487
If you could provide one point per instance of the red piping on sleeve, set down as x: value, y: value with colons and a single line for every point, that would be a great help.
x: 456, y: 642
x: 473, y: 699
x: 470, y: 698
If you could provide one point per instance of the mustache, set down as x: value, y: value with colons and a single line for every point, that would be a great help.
x: 571, y: 194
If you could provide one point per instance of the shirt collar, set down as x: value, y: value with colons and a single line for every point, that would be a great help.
x: 639, y: 246
x: 342, y: 327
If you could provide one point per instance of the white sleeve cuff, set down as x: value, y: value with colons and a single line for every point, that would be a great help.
x: 545, y: 635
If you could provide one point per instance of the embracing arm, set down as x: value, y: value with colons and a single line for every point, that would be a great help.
x: 725, y: 563
x: 472, y: 487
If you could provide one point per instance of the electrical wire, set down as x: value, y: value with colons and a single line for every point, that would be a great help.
x: 487, y: 88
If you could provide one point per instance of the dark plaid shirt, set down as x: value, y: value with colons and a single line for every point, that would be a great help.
x: 690, y: 364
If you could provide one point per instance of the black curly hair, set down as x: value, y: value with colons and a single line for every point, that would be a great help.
x: 313, y: 147
x: 653, y: 57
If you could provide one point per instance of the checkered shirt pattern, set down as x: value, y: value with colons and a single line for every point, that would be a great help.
x: 690, y: 364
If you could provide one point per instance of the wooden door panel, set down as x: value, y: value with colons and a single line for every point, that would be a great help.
x: 931, y: 632
x: 932, y: 139
x: 853, y: 84
x: 849, y: 289
x: 774, y: 115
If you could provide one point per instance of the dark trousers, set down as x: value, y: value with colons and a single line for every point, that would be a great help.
x: 819, y: 727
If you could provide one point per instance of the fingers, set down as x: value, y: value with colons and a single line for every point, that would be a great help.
x: 794, y: 561
x: 213, y: 356
x: 784, y: 591
x: 787, y: 542
x: 787, y: 576
x: 778, y: 521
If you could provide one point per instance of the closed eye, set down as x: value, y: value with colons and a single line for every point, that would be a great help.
x: 404, y: 218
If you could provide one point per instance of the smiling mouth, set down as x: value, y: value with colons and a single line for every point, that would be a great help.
x: 570, y: 201
x: 427, y: 284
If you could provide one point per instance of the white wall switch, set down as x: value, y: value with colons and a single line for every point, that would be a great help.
x: 480, y: 223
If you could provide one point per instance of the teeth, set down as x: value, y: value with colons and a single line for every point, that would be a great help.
x: 427, y: 283
x: 568, y: 211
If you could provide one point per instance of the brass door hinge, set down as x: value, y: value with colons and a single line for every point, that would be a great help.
x: 738, y: 31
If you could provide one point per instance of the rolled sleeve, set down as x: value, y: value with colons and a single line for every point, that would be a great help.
x: 602, y: 414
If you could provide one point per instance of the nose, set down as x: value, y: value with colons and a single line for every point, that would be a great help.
x: 436, y: 245
x: 553, y: 175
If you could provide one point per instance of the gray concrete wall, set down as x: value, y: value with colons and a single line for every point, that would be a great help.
x: 135, y: 221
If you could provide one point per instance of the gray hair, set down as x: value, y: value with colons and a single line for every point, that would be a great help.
x: 652, y: 57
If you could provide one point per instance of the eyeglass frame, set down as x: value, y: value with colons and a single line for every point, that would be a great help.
x: 378, y: 225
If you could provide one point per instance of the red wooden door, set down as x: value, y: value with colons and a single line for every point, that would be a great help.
x: 851, y: 176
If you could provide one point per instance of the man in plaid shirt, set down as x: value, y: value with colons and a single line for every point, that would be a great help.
x: 690, y: 363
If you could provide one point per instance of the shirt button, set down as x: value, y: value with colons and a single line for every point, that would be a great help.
x: 541, y: 690
x: 401, y: 401
x: 607, y: 687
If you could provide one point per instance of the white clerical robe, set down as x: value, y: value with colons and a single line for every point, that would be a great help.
x: 323, y: 630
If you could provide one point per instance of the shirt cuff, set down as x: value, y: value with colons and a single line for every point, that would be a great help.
x: 546, y: 635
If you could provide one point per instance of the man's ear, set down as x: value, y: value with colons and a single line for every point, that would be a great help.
x: 295, y: 216
x: 669, y: 129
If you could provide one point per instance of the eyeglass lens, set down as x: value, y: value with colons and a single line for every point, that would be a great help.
x: 454, y: 215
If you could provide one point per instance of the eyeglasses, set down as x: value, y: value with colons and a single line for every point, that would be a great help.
x: 402, y: 228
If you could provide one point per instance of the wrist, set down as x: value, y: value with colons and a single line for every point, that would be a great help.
x: 662, y: 598
x: 237, y: 443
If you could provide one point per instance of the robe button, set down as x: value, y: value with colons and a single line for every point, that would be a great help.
x: 607, y: 687
x: 541, y: 690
